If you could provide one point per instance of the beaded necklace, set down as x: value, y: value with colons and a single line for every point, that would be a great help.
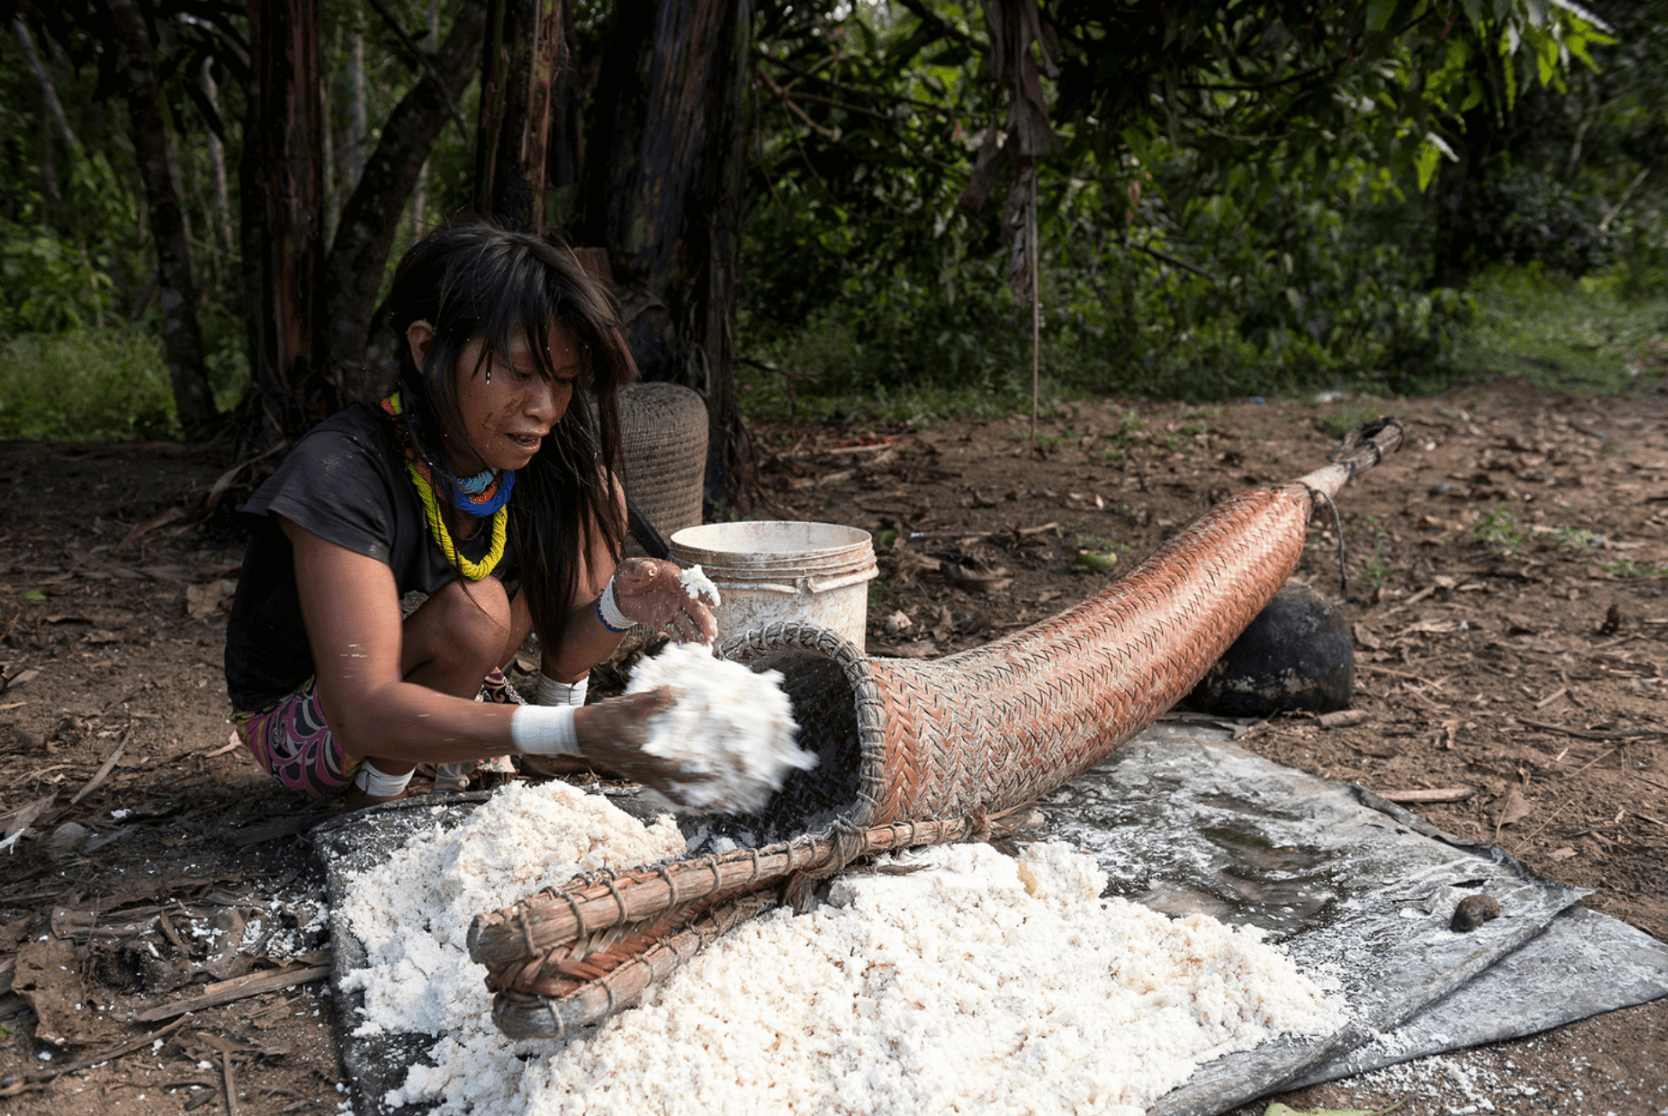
x: 423, y: 480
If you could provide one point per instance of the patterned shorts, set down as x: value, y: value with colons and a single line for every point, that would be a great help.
x: 293, y: 741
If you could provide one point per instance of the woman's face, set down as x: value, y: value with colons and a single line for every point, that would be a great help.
x: 506, y: 405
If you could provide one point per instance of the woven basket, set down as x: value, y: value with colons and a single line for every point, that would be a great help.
x: 913, y: 752
x: 664, y: 435
x: 904, y: 739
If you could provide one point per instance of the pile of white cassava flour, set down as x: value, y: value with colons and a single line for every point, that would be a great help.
x: 981, y: 983
x: 730, y: 730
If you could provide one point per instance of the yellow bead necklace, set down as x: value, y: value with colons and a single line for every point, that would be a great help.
x: 474, y: 571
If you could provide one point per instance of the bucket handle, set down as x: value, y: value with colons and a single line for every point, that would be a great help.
x: 804, y: 584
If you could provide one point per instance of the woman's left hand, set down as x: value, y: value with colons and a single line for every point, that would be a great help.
x: 650, y: 591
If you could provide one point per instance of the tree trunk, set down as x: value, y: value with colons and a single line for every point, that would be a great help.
x: 217, y: 163
x: 283, y: 225
x: 526, y: 49
x: 419, y: 192
x: 664, y: 194
x: 358, y: 130
x: 330, y: 160
x: 565, y: 159
x: 370, y: 221
x: 49, y: 91
x: 182, y: 340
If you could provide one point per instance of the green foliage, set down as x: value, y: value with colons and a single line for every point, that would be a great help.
x: 1629, y: 567
x: 85, y: 385
x: 1574, y: 538
x: 1522, y: 217
x: 1229, y: 212
x: 1376, y: 567
x: 1565, y: 334
x: 46, y: 285
x: 1500, y: 532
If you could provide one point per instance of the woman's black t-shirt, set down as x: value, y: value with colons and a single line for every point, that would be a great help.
x: 346, y: 482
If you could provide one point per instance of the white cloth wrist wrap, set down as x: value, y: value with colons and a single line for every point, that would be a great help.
x: 378, y: 783
x: 552, y: 692
x: 608, y: 607
x: 544, y: 730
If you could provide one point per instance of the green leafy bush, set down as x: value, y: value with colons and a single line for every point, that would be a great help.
x: 85, y: 384
x: 1519, y: 216
x: 1558, y: 333
x: 46, y: 284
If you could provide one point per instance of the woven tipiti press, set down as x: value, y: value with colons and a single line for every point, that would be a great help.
x: 916, y: 753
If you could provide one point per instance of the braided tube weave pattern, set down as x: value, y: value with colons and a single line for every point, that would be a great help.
x: 998, y: 725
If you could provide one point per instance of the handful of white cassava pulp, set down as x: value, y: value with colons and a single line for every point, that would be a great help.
x: 730, y: 730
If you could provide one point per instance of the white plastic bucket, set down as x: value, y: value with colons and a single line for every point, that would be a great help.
x: 773, y: 570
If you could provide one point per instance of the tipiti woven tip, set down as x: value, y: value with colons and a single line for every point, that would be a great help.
x: 918, y: 752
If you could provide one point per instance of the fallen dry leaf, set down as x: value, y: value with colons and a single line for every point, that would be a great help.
x: 1511, y: 809
x: 204, y: 601
x: 14, y: 822
x: 49, y: 977
x: 172, y: 515
x: 1367, y: 638
x: 978, y: 581
x: 1432, y: 627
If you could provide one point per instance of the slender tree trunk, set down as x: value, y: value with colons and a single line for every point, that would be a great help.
x: 182, y: 340
x: 284, y: 224
x: 257, y: 424
x: 371, y: 218
x: 49, y: 95
x: 525, y: 51
x: 565, y: 171
x: 330, y: 163
x: 664, y: 193
x: 358, y: 130
x: 49, y: 91
x: 217, y: 164
x: 419, y: 193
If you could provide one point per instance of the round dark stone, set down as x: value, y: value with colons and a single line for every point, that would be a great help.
x: 1296, y: 655
x: 1473, y: 911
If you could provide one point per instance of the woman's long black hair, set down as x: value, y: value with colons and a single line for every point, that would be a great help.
x: 472, y: 278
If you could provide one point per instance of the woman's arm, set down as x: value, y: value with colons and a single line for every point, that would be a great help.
x: 351, y: 608
x: 647, y: 590
x: 585, y: 642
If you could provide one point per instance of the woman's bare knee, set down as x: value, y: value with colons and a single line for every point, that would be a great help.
x: 456, y: 636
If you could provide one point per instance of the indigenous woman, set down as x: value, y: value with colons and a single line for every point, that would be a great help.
x: 486, y: 487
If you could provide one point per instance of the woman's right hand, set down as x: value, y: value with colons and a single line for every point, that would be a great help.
x: 612, y: 734
x: 650, y: 591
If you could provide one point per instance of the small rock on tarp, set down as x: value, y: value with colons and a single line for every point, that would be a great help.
x: 1473, y: 911
x: 1296, y: 655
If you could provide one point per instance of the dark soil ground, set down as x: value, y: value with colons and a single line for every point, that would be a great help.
x: 1506, y: 593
